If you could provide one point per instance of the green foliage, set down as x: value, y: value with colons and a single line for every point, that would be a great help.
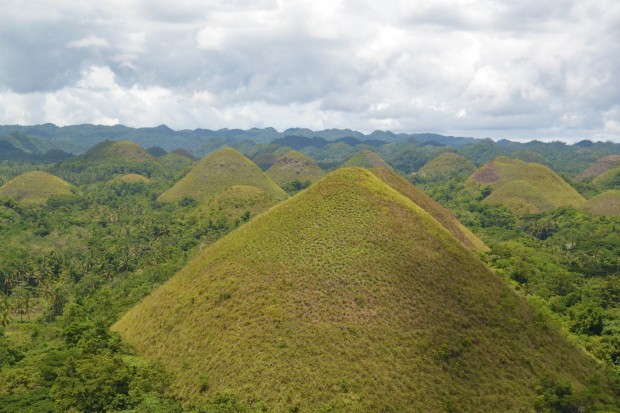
x: 35, y: 187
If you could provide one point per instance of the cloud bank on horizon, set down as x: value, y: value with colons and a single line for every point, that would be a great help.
x: 483, y: 68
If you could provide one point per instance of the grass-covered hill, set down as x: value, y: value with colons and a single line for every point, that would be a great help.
x: 600, y: 167
x: 606, y: 203
x: 35, y: 187
x: 442, y: 215
x: 107, y: 159
x: 366, y: 159
x: 294, y: 166
x: 175, y: 163
x: 608, y: 180
x: 349, y: 297
x: 446, y: 166
x: 131, y: 179
x: 525, y: 187
x: 218, y: 171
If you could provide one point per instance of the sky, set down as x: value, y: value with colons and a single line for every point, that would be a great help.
x: 521, y: 70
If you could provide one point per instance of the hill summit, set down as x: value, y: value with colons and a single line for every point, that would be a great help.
x: 349, y: 297
x: 294, y: 166
x: 108, y: 159
x: 366, y: 159
x: 218, y: 171
x: 35, y: 187
x: 525, y: 187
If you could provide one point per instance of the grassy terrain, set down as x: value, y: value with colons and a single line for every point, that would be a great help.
x: 218, y: 171
x: 525, y: 187
x: 350, y: 297
x: 438, y: 212
x: 294, y: 166
x: 132, y: 179
x: 607, y: 203
x: 35, y: 187
x: 366, y: 159
x: 446, y: 166
x: 610, y: 179
x: 599, y: 167
x: 175, y: 163
x: 238, y: 203
x: 108, y: 159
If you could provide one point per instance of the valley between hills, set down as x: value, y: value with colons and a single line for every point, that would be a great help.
x: 152, y: 270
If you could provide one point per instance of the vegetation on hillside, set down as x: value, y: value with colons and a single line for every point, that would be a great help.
x: 525, y: 187
x: 350, y: 297
x: 217, y: 172
x: 35, y: 187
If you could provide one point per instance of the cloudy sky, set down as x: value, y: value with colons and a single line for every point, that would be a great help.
x: 485, y: 68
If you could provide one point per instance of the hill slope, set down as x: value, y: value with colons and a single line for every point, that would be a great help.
x: 525, y: 187
x: 442, y: 215
x: 349, y: 297
x: 366, y: 159
x: 35, y: 187
x: 294, y: 166
x: 599, y: 167
x: 607, y: 203
x: 218, y: 171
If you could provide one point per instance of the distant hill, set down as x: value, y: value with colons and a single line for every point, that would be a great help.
x: 349, y: 297
x: 186, y: 153
x: 366, y: 159
x: 218, y: 171
x: 108, y: 159
x: 525, y: 187
x: 446, y: 166
x: 301, y: 142
x: 131, y: 179
x: 18, y: 146
x: 600, y: 167
x: 175, y: 163
x: 35, y: 187
x: 606, y: 203
x: 294, y: 166
x: 609, y: 179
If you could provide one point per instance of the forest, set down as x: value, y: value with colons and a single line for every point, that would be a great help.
x: 76, y: 258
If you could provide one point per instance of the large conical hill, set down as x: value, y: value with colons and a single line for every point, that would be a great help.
x: 366, y: 159
x: 218, y: 171
x: 294, y: 166
x: 525, y: 187
x: 35, y: 187
x: 107, y: 159
x: 442, y: 215
x: 350, y: 297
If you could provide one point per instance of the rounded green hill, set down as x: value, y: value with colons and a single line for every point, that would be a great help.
x: 107, y: 159
x: 607, y: 203
x: 446, y: 166
x: 294, y: 166
x: 525, y: 187
x: 366, y: 159
x: 35, y: 187
x: 218, y: 171
x: 350, y: 296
